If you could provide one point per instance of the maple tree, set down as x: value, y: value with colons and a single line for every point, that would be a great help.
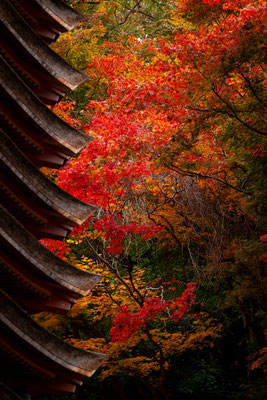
x: 175, y: 102
x: 143, y: 316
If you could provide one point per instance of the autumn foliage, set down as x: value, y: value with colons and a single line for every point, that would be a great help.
x: 175, y: 102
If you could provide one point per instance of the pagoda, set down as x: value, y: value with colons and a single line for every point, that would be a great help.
x: 32, y: 279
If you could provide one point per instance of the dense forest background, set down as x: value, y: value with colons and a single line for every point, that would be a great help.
x: 175, y: 104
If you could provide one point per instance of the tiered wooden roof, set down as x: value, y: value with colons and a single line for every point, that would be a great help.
x: 40, y: 205
x: 42, y: 136
x: 35, y: 277
x: 37, y: 360
x: 48, y: 18
x: 32, y: 207
x: 46, y: 73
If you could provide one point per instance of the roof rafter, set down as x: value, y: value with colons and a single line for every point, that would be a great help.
x: 49, y: 18
x: 55, y: 364
x: 49, y: 75
x: 52, y: 279
x: 30, y: 190
x: 35, y: 128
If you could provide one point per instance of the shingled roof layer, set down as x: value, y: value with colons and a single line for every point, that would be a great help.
x: 30, y: 341
x: 42, y: 260
x: 37, y: 53
x: 35, y: 361
x: 68, y: 138
x: 66, y: 16
x: 45, y: 191
x: 52, y: 12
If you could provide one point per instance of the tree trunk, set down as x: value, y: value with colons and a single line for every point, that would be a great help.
x: 155, y: 394
x: 252, y: 324
x: 119, y: 388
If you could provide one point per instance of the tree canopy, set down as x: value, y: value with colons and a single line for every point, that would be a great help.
x: 175, y: 101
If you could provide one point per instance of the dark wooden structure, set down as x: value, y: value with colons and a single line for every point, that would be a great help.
x: 42, y: 136
x: 32, y: 279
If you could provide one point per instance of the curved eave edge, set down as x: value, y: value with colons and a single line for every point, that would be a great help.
x: 63, y: 354
x: 53, y: 267
x: 45, y: 56
x: 32, y: 106
x: 52, y: 9
x: 73, y: 209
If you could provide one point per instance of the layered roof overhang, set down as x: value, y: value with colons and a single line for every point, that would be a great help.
x: 33, y: 276
x: 43, y: 137
x: 49, y: 18
x: 40, y: 205
x: 36, y: 359
x: 47, y: 74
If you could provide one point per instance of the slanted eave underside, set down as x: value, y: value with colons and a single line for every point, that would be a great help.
x: 62, y: 202
x: 48, y: 264
x: 72, y: 139
x: 40, y: 52
x: 63, y: 14
x: 48, y: 345
x: 53, y: 12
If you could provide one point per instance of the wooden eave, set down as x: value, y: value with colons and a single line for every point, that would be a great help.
x: 52, y: 284
x: 49, y: 18
x: 35, y: 361
x: 49, y: 364
x: 35, y: 128
x: 48, y: 75
x: 36, y: 194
